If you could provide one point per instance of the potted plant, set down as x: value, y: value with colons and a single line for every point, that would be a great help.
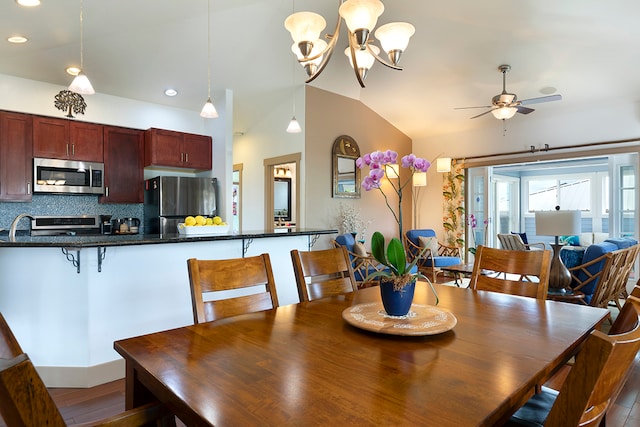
x: 397, y: 281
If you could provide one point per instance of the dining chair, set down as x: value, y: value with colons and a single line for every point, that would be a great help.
x: 323, y: 273
x: 26, y: 402
x: 524, y: 273
x: 211, y: 281
x: 601, y: 368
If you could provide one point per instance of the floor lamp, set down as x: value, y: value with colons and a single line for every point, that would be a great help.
x: 558, y: 223
x: 419, y: 180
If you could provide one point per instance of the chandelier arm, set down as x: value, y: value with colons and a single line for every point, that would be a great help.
x: 333, y: 39
x: 380, y: 60
x: 354, y: 60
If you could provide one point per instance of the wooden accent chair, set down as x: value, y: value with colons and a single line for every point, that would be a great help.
x: 524, y: 273
x: 26, y: 402
x: 328, y: 272
x: 600, y: 370
x: 513, y: 242
x: 605, y: 278
x: 211, y: 277
x: 436, y: 255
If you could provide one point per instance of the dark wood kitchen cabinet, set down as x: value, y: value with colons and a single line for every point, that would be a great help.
x: 123, y: 165
x: 64, y: 139
x: 177, y: 149
x: 16, y: 153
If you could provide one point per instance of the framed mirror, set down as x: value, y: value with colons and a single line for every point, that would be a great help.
x: 282, y: 199
x: 346, y: 176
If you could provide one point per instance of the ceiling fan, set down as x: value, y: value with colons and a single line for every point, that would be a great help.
x: 506, y: 105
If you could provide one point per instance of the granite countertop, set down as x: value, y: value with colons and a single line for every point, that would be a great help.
x: 143, y: 239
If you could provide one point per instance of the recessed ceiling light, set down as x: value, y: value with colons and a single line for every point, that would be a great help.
x: 28, y: 3
x: 170, y: 92
x: 17, y: 39
x: 548, y: 90
x: 72, y: 70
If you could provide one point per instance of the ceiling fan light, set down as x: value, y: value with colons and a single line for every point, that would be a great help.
x: 305, y: 27
x: 294, y: 126
x: 395, y: 36
x: 364, y: 59
x: 361, y: 14
x: 209, y: 110
x: 81, y: 85
x: 504, y: 112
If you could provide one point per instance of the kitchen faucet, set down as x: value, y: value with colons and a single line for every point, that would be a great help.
x: 14, y: 225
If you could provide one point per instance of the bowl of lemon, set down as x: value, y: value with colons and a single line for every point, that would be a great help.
x: 202, y: 226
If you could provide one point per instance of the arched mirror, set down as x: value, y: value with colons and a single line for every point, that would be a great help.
x: 346, y: 176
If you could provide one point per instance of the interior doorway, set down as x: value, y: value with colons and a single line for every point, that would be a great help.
x: 282, y: 174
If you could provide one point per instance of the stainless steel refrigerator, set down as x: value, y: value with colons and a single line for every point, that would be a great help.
x: 169, y: 199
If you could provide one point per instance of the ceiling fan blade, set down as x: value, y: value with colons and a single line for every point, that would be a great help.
x: 549, y: 98
x: 482, y: 114
x: 466, y: 108
x: 524, y: 110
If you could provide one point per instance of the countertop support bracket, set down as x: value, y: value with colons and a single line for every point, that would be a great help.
x: 75, y: 260
x: 102, y: 252
x: 312, y: 240
x: 245, y: 246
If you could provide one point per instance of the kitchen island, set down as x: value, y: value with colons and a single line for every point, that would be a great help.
x: 68, y: 298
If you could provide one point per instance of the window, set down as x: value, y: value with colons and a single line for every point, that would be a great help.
x: 569, y: 193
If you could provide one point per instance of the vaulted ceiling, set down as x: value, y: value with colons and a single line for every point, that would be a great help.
x: 586, y: 50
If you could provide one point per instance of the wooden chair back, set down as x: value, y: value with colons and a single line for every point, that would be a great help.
x: 613, y: 276
x: 323, y: 273
x: 26, y: 402
x: 513, y: 242
x: 600, y: 368
x: 524, y: 273
x: 211, y: 278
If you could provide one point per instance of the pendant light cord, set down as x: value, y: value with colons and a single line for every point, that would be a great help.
x: 209, y: 49
x: 81, y: 38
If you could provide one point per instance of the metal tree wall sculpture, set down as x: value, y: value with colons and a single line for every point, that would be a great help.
x: 67, y: 100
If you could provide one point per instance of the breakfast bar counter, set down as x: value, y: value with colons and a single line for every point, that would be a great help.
x: 68, y: 298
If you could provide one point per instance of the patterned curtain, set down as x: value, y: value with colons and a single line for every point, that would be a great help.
x: 453, y: 219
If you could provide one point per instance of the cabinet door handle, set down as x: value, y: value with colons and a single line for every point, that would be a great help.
x: 73, y: 150
x: 67, y: 149
x: 186, y: 157
x: 28, y: 188
x: 106, y: 191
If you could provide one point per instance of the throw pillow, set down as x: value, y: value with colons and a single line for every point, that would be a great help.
x: 523, y: 236
x: 359, y: 249
x: 570, y: 240
x: 429, y: 242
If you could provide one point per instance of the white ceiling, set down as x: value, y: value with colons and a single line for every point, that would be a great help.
x: 588, y: 50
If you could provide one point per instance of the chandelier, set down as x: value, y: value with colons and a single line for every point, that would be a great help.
x: 361, y: 17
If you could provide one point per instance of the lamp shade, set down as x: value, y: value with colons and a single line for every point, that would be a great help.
x: 419, y: 179
x: 558, y: 223
x: 361, y: 14
x: 305, y: 26
x: 81, y: 85
x: 395, y: 36
x: 294, y: 126
x: 209, y: 110
x: 363, y: 57
x: 443, y: 164
x: 504, y: 112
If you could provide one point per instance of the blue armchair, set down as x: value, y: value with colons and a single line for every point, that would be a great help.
x: 437, y: 255
x: 363, y: 264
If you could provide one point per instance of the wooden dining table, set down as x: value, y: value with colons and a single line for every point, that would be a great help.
x: 303, y: 364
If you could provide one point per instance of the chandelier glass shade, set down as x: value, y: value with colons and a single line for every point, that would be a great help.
x: 361, y: 17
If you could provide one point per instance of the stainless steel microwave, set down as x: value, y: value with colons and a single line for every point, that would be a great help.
x: 67, y: 176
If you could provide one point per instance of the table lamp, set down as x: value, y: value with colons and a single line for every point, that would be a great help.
x: 558, y: 223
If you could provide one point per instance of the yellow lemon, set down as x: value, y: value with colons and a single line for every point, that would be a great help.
x: 189, y: 221
x: 200, y: 220
x: 209, y: 221
x: 217, y: 220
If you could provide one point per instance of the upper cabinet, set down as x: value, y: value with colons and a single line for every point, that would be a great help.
x: 66, y: 139
x: 177, y: 149
x: 123, y: 170
x: 15, y: 157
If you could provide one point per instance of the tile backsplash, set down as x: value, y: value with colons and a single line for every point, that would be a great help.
x: 54, y: 204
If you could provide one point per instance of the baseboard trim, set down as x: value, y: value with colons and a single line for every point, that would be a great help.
x: 81, y: 377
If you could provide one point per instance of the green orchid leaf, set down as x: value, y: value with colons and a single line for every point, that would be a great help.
x: 396, y: 256
x: 377, y: 248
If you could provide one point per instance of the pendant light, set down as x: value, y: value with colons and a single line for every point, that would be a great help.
x: 209, y: 111
x: 294, y: 126
x: 81, y: 83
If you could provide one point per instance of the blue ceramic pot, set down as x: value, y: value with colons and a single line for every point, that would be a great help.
x: 396, y: 303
